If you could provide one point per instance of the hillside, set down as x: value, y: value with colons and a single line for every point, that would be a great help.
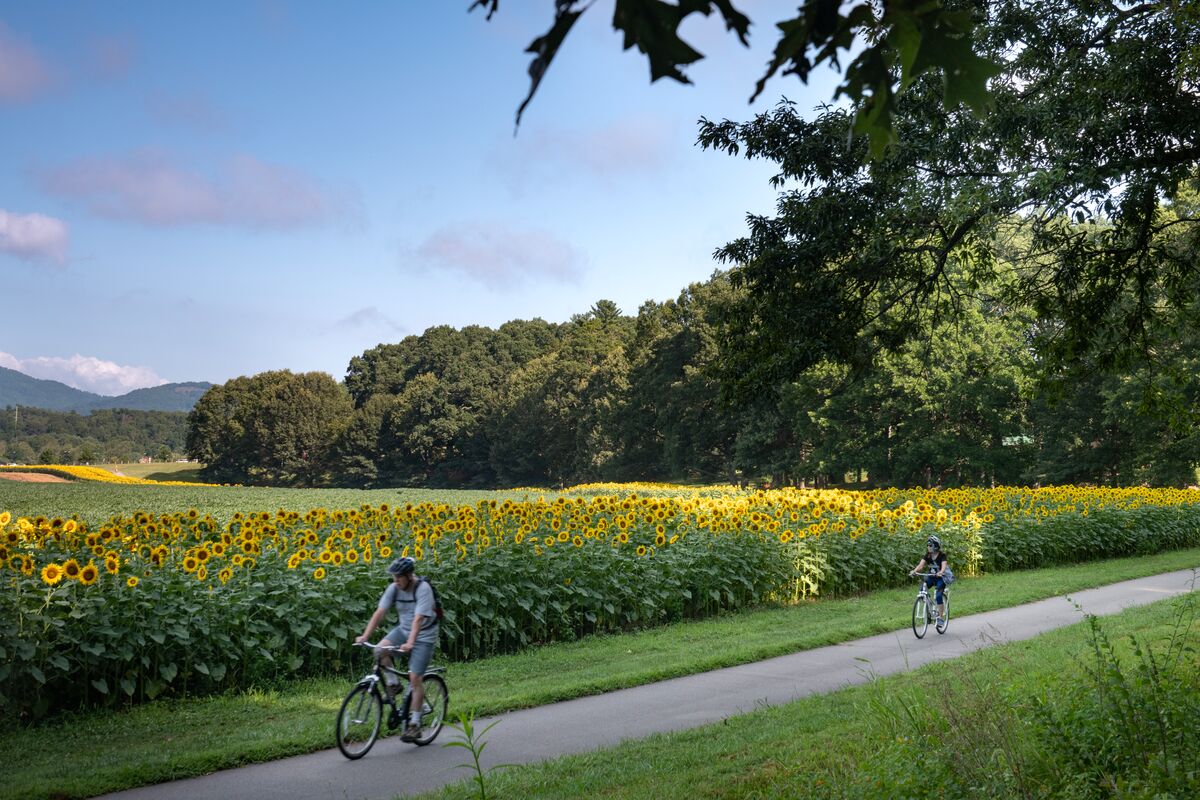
x: 19, y: 389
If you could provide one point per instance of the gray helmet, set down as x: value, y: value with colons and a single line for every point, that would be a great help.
x: 402, y: 566
x: 934, y: 543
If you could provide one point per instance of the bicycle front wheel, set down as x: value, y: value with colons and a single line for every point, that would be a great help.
x: 358, y: 721
x: 433, y: 716
x: 920, y: 617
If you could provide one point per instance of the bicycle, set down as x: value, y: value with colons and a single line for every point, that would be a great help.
x: 361, y: 714
x: 923, y: 611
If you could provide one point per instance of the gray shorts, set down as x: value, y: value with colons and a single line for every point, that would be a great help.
x: 421, y: 654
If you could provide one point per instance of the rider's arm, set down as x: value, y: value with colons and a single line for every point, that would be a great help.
x: 376, y: 618
x: 418, y: 622
x: 945, y: 563
x: 918, y: 567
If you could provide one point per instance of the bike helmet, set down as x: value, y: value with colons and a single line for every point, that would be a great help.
x: 934, y: 543
x: 402, y: 566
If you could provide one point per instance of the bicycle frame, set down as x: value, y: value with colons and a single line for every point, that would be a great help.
x: 377, y: 675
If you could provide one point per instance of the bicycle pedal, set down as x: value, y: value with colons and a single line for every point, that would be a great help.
x: 393, y: 720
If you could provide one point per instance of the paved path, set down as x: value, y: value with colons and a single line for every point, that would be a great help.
x: 593, y: 722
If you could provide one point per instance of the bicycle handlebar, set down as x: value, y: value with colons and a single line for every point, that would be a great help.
x: 924, y: 574
x: 392, y: 648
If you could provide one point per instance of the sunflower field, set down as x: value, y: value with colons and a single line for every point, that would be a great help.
x: 156, y: 604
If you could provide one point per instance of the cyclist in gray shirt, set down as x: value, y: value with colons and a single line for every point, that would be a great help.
x: 416, y: 632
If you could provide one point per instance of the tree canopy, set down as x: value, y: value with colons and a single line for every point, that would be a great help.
x: 1088, y: 158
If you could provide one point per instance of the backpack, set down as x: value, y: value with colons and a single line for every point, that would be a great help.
x: 438, y: 612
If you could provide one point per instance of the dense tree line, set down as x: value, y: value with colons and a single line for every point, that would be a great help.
x: 39, y: 436
x: 607, y: 396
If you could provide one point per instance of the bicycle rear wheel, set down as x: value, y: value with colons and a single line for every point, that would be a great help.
x: 433, y: 717
x: 920, y: 619
x: 358, y: 721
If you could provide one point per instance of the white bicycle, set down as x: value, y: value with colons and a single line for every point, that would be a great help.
x: 925, y: 612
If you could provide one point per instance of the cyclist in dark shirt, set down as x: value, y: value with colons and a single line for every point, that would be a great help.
x: 936, y: 560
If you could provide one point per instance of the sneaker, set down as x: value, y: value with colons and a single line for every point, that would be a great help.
x: 411, y: 733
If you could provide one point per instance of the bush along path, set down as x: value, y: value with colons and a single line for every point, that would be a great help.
x: 588, y: 723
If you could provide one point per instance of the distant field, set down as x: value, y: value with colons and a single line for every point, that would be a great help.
x: 158, y: 471
x: 94, y: 503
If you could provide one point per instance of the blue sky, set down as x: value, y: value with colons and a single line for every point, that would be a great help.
x: 201, y: 191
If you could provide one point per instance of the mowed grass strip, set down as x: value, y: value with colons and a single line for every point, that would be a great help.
x: 86, y: 754
x: 854, y: 744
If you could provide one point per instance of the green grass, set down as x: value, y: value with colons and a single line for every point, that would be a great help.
x: 856, y: 743
x: 91, y: 753
x: 158, y: 471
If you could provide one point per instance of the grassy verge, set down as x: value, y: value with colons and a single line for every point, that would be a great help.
x: 860, y: 743
x: 87, y: 754
x: 158, y: 471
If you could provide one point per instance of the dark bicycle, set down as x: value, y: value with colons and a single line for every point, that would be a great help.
x: 924, y: 611
x: 361, y: 716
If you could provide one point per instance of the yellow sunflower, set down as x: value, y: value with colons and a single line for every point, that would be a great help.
x: 89, y: 574
x: 71, y: 569
x: 319, y: 574
x: 132, y: 582
x: 52, y: 573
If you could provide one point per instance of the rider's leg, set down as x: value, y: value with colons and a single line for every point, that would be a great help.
x: 941, y: 598
x: 390, y: 680
x: 418, y: 662
x: 418, y: 698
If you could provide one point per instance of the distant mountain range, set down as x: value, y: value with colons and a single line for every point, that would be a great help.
x: 18, y: 389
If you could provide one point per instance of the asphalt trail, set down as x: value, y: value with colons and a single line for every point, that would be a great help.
x: 589, y: 723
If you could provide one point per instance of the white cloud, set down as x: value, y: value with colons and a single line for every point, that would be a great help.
x: 147, y: 187
x: 501, y: 257
x: 192, y: 111
x: 23, y: 74
x: 84, y: 372
x: 633, y: 146
x: 33, y: 237
x: 369, y: 317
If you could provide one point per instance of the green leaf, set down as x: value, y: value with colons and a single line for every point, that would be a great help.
x: 101, y: 685
x: 129, y: 686
x: 201, y: 667
x: 168, y: 671
x: 37, y: 674
x: 906, y: 39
